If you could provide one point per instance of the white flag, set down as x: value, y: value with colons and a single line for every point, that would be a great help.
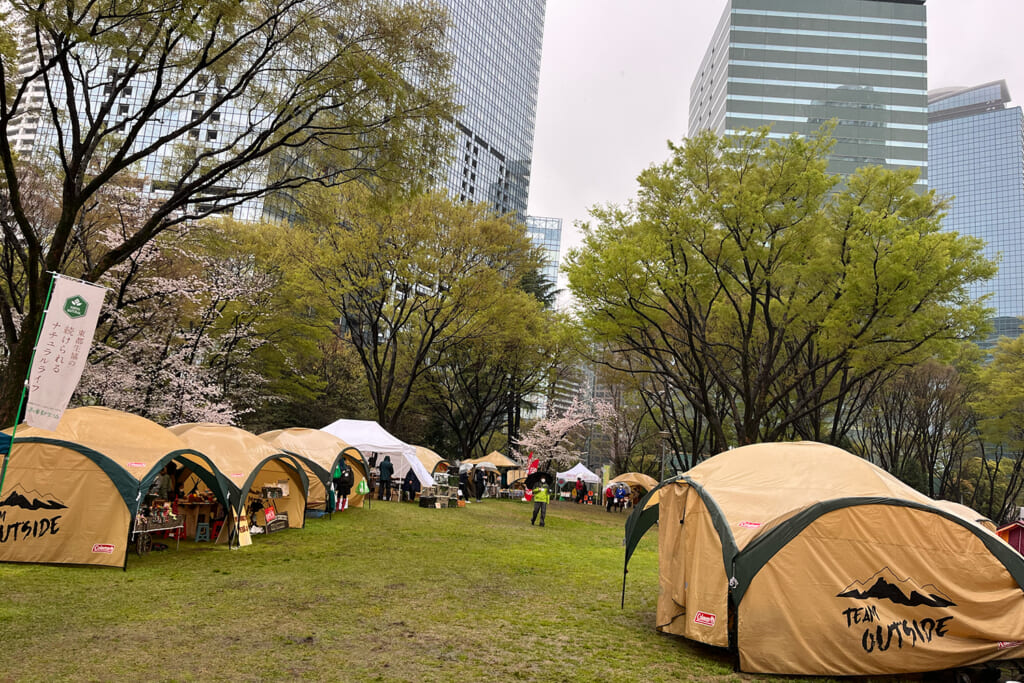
x: 68, y: 327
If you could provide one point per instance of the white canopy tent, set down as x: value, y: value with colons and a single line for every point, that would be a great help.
x: 369, y: 437
x: 580, y: 471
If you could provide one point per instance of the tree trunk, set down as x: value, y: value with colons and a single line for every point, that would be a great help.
x: 15, y: 373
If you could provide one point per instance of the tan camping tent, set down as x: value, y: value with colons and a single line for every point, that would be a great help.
x: 249, y: 463
x: 318, y: 452
x: 636, y: 479
x: 967, y: 513
x: 496, y: 459
x: 431, y: 461
x: 826, y: 565
x: 70, y: 495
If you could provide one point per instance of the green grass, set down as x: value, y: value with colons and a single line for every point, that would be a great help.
x: 393, y: 593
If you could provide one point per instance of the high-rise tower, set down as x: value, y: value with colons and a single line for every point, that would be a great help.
x: 497, y: 49
x: 795, y: 64
x: 976, y: 156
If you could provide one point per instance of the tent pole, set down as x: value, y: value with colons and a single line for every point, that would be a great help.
x: 622, y: 605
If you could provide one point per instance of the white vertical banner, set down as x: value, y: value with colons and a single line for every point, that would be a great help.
x: 64, y: 341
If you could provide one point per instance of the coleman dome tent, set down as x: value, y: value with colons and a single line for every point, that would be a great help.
x: 431, y: 461
x: 249, y: 463
x: 806, y: 559
x: 69, y: 496
x: 636, y: 480
x: 496, y: 459
x: 318, y: 452
x: 370, y: 437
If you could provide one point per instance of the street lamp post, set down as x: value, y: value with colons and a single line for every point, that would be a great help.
x: 664, y: 436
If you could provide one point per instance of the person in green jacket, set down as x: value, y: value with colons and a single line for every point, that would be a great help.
x: 540, y: 502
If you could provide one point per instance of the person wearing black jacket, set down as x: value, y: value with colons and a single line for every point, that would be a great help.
x: 478, y: 481
x: 410, y: 486
x: 387, y: 470
x: 343, y: 478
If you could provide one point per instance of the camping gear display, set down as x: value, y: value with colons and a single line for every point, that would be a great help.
x: 155, y: 519
x: 70, y: 496
x: 249, y: 463
x: 443, y: 494
x: 807, y: 559
x: 319, y: 453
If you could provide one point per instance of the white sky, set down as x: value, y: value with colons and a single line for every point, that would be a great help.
x: 615, y: 81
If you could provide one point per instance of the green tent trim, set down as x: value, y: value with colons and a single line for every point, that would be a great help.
x: 128, y: 486
x: 764, y: 547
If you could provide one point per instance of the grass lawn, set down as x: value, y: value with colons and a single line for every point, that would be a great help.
x: 393, y: 593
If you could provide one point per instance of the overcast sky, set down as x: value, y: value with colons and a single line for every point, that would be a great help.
x: 615, y: 81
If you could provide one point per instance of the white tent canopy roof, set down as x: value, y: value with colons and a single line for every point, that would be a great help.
x: 369, y: 437
x: 579, y: 471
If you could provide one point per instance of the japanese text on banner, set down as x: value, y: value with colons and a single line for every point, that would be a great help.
x: 64, y: 342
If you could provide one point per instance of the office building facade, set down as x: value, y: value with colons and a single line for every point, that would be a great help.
x: 797, y: 64
x: 546, y: 233
x: 976, y: 157
x: 497, y: 48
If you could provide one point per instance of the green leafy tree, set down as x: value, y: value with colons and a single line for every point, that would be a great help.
x: 409, y: 279
x: 921, y: 427
x: 769, y: 296
x: 206, y: 106
x: 470, y: 387
x: 997, y: 477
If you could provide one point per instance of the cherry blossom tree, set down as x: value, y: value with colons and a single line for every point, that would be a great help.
x: 175, y: 337
x: 554, y: 440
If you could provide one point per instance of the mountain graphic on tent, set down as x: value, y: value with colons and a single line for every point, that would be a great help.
x: 883, y: 589
x: 31, y: 500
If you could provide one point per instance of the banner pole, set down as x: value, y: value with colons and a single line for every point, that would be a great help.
x: 28, y: 377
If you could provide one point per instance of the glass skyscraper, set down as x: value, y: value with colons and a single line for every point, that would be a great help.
x: 795, y: 64
x: 547, y: 233
x: 497, y: 49
x: 976, y: 156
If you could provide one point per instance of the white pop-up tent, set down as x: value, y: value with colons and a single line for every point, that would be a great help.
x: 580, y: 471
x: 369, y: 437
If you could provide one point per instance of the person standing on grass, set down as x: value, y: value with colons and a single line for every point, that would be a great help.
x: 620, y: 497
x: 478, y: 482
x: 540, y: 502
x: 580, y: 489
x: 343, y: 478
x: 387, y: 470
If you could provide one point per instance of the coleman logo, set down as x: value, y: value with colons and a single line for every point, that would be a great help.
x: 136, y: 464
x: 107, y: 548
x: 886, y: 616
x: 749, y: 525
x: 704, y: 619
x: 1007, y: 644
